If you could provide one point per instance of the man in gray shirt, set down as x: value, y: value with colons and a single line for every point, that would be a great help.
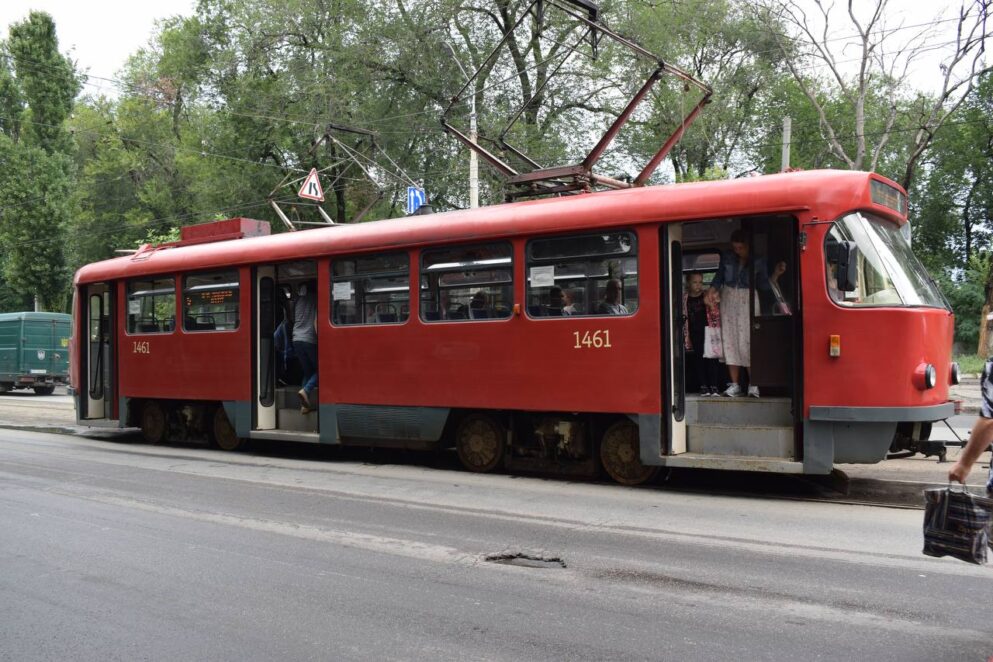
x: 305, y: 341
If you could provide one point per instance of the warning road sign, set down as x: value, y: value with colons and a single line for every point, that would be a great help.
x: 311, y: 188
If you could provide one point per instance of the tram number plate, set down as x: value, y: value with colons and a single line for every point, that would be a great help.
x: 599, y: 339
x: 141, y: 347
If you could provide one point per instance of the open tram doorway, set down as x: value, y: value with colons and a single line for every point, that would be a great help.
x: 279, y: 293
x: 100, y: 385
x: 751, y: 264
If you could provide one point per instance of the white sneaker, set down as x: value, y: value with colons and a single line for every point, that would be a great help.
x: 733, y: 391
x: 753, y: 391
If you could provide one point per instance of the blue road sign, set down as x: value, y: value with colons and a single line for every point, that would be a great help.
x: 415, y: 198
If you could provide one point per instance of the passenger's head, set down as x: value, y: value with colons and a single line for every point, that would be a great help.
x: 478, y: 300
x: 612, y: 291
x: 739, y: 243
x: 694, y: 284
x: 556, y: 297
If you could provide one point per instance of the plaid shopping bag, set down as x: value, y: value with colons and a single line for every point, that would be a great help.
x: 957, y: 523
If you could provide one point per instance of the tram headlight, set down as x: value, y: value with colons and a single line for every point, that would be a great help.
x: 953, y: 377
x: 925, y: 376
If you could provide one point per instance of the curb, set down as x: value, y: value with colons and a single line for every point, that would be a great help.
x: 901, y: 493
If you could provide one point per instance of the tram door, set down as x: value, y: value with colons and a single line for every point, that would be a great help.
x: 265, y: 350
x: 674, y: 351
x: 100, y: 387
x: 774, y: 315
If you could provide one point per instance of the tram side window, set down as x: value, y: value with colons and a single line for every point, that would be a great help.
x: 152, y: 306
x: 467, y: 283
x: 210, y: 301
x: 373, y: 289
x: 589, y: 274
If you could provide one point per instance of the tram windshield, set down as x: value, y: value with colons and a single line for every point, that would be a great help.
x: 888, y: 272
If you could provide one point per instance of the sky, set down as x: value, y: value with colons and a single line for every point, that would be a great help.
x: 101, y: 34
x: 98, y: 34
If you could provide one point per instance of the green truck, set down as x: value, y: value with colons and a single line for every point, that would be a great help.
x: 34, y: 351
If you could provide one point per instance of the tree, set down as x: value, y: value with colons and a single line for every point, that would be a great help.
x: 36, y: 169
x: 721, y: 43
x: 880, y: 68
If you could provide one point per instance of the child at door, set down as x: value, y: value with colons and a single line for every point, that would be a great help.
x: 698, y: 315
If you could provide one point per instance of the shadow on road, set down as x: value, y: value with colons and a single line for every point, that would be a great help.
x: 834, y: 487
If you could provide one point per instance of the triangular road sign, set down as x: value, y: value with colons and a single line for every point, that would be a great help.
x: 311, y: 188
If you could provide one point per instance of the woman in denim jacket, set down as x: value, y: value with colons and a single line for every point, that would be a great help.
x: 730, y: 288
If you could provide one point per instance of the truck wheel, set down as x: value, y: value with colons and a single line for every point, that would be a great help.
x: 153, y: 422
x: 222, y: 434
x: 44, y: 390
x: 480, y: 441
x: 620, y: 455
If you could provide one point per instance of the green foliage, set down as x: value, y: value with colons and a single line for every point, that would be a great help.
x: 719, y: 42
x: 35, y: 190
x: 36, y: 168
x: 970, y: 364
x: 967, y: 297
x: 223, y: 104
x: 46, y: 78
x: 953, y: 200
x: 711, y: 174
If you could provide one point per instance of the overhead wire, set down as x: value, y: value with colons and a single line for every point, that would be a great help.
x: 120, y: 84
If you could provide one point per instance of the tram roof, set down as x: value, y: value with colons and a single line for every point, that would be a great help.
x: 832, y: 192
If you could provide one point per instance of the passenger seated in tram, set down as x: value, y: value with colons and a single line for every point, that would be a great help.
x: 477, y: 306
x: 571, y: 307
x: 611, y: 304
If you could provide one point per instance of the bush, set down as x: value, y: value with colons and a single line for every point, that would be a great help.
x: 967, y: 296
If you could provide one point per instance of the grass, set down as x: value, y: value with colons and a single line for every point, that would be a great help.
x: 970, y: 363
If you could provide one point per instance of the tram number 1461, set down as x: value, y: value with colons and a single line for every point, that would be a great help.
x: 141, y: 347
x: 599, y: 339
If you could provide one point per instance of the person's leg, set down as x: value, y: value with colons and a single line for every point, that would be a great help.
x: 311, y: 384
x: 307, y: 365
x: 736, y: 336
x: 692, y: 371
x: 710, y: 374
x: 701, y: 373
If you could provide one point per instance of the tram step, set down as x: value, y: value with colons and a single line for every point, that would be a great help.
x: 705, y: 461
x: 292, y: 419
x: 739, y: 411
x: 287, y: 397
x: 741, y: 440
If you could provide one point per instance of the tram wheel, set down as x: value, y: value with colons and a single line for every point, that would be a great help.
x: 222, y: 434
x: 620, y: 455
x: 153, y: 422
x: 480, y: 441
x: 44, y: 390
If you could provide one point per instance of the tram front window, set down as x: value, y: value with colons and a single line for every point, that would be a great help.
x: 888, y: 273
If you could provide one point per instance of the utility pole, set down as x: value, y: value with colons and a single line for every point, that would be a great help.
x: 787, y: 131
x: 473, y: 158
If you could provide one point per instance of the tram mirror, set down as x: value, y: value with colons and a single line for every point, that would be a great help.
x: 844, y: 254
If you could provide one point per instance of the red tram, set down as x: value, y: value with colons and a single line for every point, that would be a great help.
x: 501, y: 349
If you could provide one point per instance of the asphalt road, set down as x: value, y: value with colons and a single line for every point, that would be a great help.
x: 120, y: 551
